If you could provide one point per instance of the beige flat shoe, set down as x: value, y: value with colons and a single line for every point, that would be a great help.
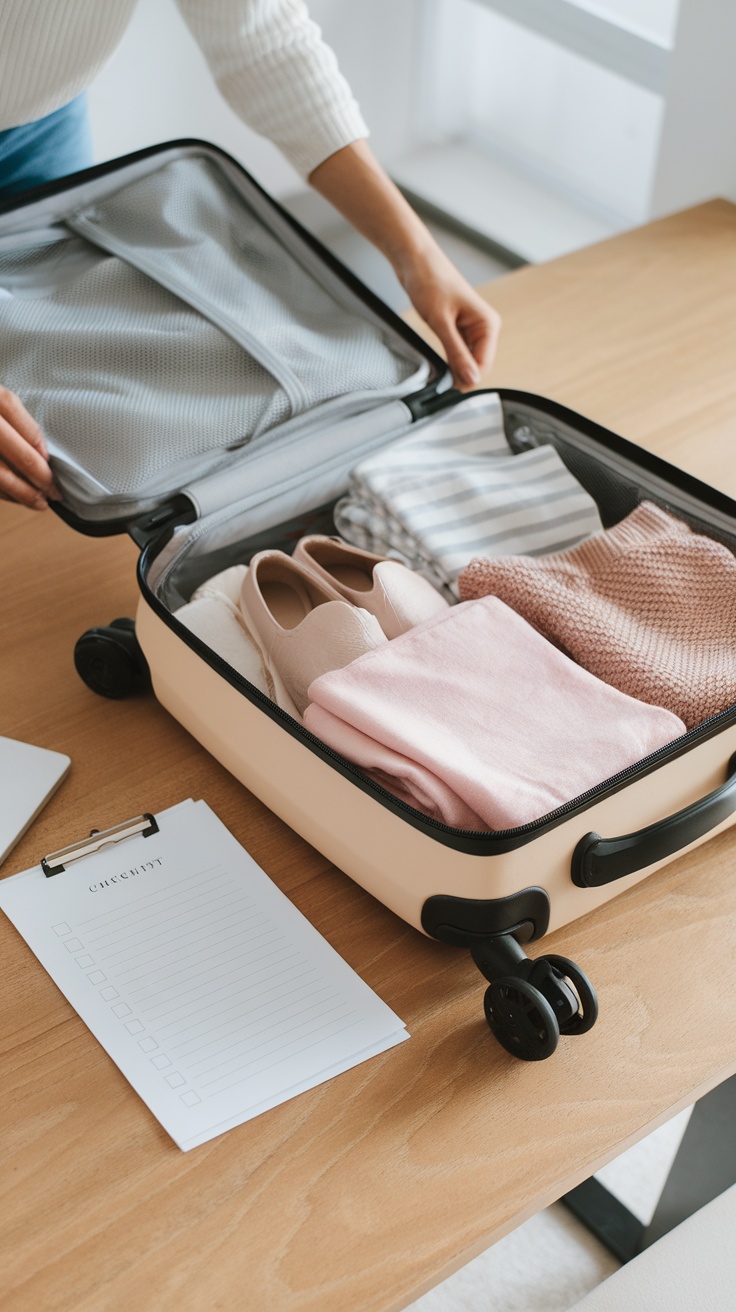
x: 302, y: 626
x: 398, y: 597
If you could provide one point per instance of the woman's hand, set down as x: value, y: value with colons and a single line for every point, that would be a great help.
x: 25, y: 475
x: 467, y: 326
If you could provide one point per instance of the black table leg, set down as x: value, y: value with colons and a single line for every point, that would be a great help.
x: 704, y: 1167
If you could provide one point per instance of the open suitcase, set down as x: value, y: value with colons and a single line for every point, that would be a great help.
x: 171, y: 243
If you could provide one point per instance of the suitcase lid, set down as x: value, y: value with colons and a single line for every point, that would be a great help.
x: 168, y: 324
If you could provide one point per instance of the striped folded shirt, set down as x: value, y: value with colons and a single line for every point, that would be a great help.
x: 453, y: 489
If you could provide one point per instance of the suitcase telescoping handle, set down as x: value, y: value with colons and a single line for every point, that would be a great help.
x: 597, y: 861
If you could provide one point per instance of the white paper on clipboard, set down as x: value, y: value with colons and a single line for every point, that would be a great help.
x: 209, y: 989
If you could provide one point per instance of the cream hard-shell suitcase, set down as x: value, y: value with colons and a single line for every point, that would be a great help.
x: 208, y: 375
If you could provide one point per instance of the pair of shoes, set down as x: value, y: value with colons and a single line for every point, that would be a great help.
x: 325, y: 606
x: 397, y: 596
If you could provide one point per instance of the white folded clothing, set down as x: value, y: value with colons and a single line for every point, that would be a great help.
x: 215, y: 621
x: 453, y: 489
x: 227, y: 583
x: 214, y: 616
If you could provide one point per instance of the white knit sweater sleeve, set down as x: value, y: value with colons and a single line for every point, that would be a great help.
x: 271, y: 64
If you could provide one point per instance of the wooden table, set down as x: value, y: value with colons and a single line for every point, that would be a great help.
x: 368, y: 1190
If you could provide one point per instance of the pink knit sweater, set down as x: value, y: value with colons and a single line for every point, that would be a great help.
x: 648, y: 606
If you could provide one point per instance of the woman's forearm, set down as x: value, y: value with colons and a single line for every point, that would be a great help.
x: 356, y: 184
x: 467, y: 326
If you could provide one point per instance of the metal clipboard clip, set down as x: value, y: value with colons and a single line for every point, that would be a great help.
x: 55, y: 862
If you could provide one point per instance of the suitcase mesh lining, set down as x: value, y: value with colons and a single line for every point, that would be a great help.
x: 180, y: 389
x: 129, y: 380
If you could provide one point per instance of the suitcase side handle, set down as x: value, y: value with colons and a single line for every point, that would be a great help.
x: 597, y: 861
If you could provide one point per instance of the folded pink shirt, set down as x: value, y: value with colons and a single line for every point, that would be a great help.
x: 478, y: 721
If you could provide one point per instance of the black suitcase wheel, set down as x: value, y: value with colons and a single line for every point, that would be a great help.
x: 109, y: 660
x: 521, y: 1018
x: 588, y: 1012
x: 530, y: 1003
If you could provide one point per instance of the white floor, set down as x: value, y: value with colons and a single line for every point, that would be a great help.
x: 552, y: 1261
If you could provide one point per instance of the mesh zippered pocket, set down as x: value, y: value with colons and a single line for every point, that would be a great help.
x: 187, y: 228
x: 121, y: 375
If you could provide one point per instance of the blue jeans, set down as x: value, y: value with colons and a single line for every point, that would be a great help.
x: 46, y: 149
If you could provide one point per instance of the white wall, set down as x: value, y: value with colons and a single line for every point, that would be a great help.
x: 158, y: 87
x: 589, y: 135
x: 697, y: 152
x: 436, y: 70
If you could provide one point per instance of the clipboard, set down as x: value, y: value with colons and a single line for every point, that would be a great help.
x: 144, y: 825
x: 210, y: 991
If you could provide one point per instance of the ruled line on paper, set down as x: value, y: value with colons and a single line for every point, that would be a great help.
x: 221, y: 916
x: 291, y: 1054
x: 263, y: 952
x: 219, y: 976
x: 202, y: 1020
x: 133, y: 960
x: 236, y: 1006
x: 212, y: 993
x: 206, y: 971
x: 248, y: 984
x: 276, y: 1031
x: 219, y: 1047
x: 286, y: 1010
x: 161, y: 965
x: 135, y: 902
x: 182, y: 915
x: 115, y: 921
x: 284, y: 1049
x: 284, y: 1006
x: 229, y: 959
x: 109, y: 934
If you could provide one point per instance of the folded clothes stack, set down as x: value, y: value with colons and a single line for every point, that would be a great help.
x: 454, y: 488
x: 282, y: 621
x: 555, y: 673
x: 648, y: 606
x: 479, y: 722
